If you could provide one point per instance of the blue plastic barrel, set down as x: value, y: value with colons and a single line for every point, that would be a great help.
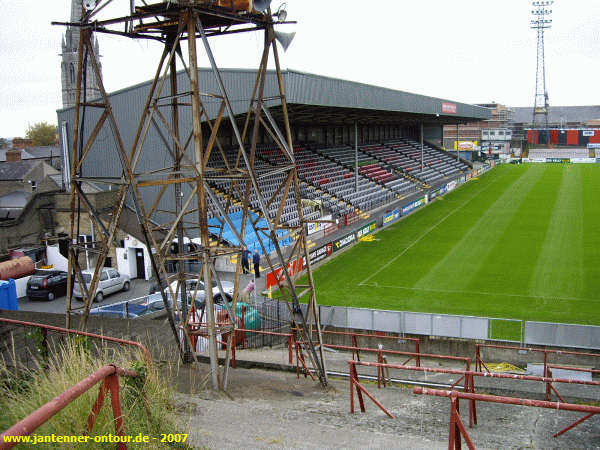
x: 8, y: 295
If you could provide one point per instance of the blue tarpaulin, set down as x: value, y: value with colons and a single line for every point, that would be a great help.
x: 250, y: 238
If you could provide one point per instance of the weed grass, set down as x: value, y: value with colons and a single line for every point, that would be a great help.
x: 146, y: 401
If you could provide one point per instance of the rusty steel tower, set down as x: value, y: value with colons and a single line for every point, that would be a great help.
x: 176, y: 186
x: 540, y: 23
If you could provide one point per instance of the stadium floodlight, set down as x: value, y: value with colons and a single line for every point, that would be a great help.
x: 539, y: 23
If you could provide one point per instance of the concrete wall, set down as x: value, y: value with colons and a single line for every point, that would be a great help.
x: 466, y: 348
x: 156, y: 335
x: 29, y: 228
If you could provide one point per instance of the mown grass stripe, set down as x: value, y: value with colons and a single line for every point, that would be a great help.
x: 512, y: 260
x: 479, y: 235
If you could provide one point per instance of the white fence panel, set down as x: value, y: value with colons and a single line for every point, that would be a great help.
x: 474, y: 328
x: 564, y: 335
x: 417, y: 323
x: 361, y: 319
x: 446, y: 325
x: 390, y: 321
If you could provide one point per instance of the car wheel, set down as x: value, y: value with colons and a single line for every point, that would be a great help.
x: 126, y: 286
x: 99, y: 297
x: 217, y: 299
x: 50, y: 296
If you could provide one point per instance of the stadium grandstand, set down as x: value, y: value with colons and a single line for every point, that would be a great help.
x: 357, y: 147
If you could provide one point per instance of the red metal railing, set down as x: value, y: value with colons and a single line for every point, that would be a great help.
x: 382, y: 352
x: 467, y: 378
x: 290, y: 338
x: 108, y: 375
x: 469, y: 382
x: 457, y: 428
x: 354, y: 336
x: 548, y: 373
x: 45, y: 328
x: 479, y: 364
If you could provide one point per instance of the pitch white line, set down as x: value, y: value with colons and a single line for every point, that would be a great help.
x: 429, y: 230
x: 457, y: 291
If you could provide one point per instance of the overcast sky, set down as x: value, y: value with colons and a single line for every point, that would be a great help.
x: 470, y: 51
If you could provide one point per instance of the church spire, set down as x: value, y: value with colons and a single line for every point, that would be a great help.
x: 70, y: 45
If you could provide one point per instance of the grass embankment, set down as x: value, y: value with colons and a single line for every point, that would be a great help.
x: 146, y: 401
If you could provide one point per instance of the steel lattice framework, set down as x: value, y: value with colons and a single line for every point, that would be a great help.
x: 187, y: 183
x: 540, y: 103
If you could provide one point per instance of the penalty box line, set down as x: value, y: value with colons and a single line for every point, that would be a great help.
x: 429, y: 230
x: 491, y: 294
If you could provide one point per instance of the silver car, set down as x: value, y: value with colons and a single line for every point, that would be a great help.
x: 191, y: 285
x: 110, y: 281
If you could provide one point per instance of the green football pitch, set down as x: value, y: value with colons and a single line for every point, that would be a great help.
x: 521, y: 242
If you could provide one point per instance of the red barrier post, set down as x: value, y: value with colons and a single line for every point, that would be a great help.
x: 115, y: 399
x: 41, y: 415
x: 418, y: 352
x: 244, y: 323
x: 360, y: 389
x: 590, y: 410
x: 355, y: 344
x: 233, y: 346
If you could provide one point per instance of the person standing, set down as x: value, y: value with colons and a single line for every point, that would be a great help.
x: 247, y: 291
x: 245, y: 260
x: 256, y: 261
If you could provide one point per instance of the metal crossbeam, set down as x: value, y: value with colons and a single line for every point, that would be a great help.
x: 185, y: 192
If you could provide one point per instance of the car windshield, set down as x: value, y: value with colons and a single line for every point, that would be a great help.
x: 87, y: 277
x: 38, y: 279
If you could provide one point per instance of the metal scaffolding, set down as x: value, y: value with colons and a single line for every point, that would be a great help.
x: 185, y: 191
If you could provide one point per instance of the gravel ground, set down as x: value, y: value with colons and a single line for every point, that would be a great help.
x: 269, y: 409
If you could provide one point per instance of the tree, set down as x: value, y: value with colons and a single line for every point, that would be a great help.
x: 42, y: 133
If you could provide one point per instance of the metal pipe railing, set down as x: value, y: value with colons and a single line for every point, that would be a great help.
x: 80, y: 333
x: 108, y: 375
x: 457, y: 428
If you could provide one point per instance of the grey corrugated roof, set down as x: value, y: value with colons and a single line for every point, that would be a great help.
x: 24, y: 154
x: 16, y: 170
x: 308, y: 89
x: 15, y: 199
x: 318, y: 90
x: 557, y: 114
x: 47, y: 151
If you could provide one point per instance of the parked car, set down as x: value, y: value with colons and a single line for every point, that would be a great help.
x: 110, y: 281
x: 47, y: 284
x: 190, y: 286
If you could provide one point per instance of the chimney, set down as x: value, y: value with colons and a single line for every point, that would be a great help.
x: 13, y: 155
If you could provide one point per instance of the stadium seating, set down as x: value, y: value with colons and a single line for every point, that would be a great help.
x: 405, y: 155
x: 331, y: 177
x: 387, y: 172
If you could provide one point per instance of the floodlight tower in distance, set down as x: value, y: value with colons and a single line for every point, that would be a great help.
x: 540, y: 22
